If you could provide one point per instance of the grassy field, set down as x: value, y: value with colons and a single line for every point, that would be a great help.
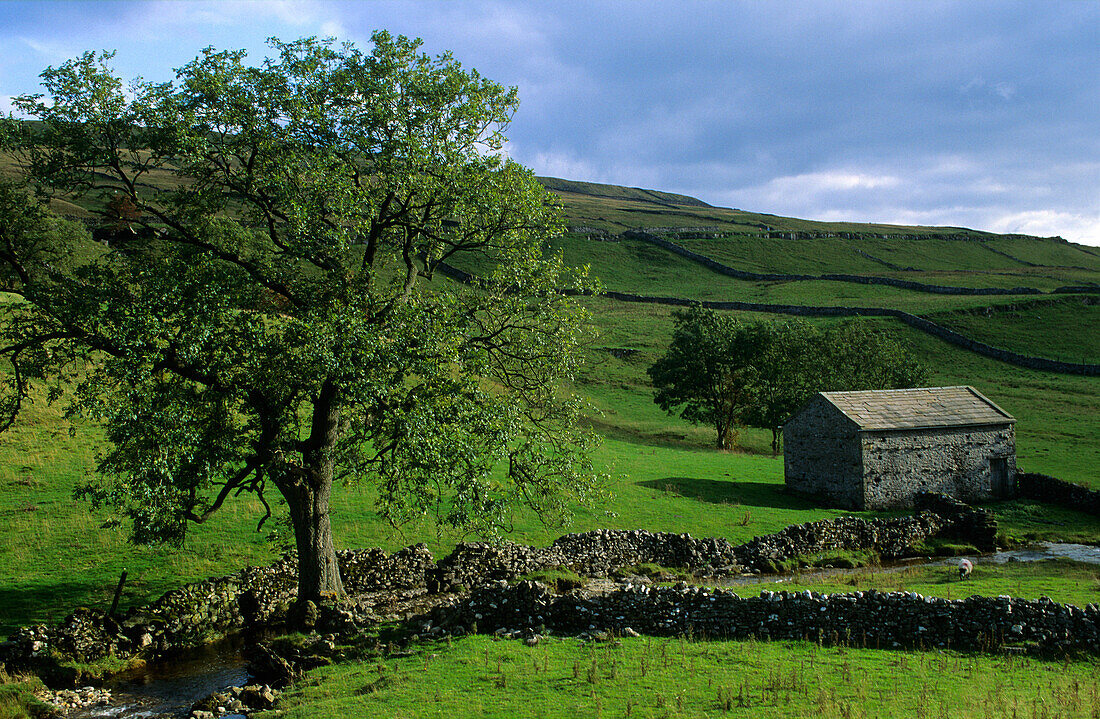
x: 873, y: 256
x: 1058, y: 429
x: 1060, y: 329
x: 1062, y: 580
x: 657, y: 678
x: 639, y: 267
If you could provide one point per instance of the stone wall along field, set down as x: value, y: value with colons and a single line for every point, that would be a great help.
x: 871, y: 619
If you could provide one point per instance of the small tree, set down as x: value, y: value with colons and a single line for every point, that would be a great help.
x: 276, y: 325
x: 707, y: 373
x: 726, y: 373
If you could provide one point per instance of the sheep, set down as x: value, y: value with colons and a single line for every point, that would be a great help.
x: 965, y: 568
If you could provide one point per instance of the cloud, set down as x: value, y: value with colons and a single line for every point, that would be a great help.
x: 819, y: 182
x: 172, y: 13
x: 332, y: 28
x: 1081, y: 227
x: 49, y: 51
x: 816, y: 194
x: 979, y: 87
x: 554, y: 164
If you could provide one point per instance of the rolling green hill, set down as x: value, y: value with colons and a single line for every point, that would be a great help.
x: 665, y: 474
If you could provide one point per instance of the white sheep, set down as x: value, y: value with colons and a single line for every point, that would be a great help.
x: 965, y: 568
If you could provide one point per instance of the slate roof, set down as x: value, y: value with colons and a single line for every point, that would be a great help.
x: 918, y: 408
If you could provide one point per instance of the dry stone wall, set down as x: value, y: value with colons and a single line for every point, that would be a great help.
x: 872, y: 619
x: 1057, y: 491
x: 262, y: 596
x: 920, y: 323
x: 859, y: 279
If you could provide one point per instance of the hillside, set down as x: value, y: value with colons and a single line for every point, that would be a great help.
x: 666, y: 476
x: 770, y: 243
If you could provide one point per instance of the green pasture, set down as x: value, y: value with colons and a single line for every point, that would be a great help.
x: 57, y: 553
x: 645, y: 677
x: 1064, y: 329
x: 874, y: 255
x: 1063, y: 581
x: 638, y: 267
x: 1058, y: 428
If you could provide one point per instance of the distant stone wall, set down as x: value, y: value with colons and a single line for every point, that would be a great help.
x: 866, y: 619
x: 1056, y: 491
x: 920, y: 323
x: 951, y: 460
x: 859, y: 279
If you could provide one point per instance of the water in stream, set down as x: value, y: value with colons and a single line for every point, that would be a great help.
x: 170, y: 688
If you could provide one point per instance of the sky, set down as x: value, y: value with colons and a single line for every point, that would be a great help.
x: 976, y: 114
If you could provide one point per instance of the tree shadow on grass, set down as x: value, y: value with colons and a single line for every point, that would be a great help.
x: 23, y: 605
x: 49, y: 603
x: 717, y: 491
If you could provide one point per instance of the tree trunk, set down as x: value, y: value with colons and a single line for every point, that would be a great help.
x: 308, y: 499
x: 318, y: 572
x: 775, y: 442
x: 727, y: 435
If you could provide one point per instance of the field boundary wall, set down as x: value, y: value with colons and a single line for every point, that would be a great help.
x: 924, y: 325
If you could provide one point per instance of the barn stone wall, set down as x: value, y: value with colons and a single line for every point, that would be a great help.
x: 822, y: 455
x: 951, y: 461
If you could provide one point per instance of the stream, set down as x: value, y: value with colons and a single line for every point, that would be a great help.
x: 170, y: 688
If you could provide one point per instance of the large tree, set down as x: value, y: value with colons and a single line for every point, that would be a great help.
x: 272, y: 316
x: 722, y: 371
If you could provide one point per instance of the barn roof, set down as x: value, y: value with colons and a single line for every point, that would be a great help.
x: 918, y: 408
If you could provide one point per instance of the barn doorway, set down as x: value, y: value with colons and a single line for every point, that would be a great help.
x: 1000, y: 484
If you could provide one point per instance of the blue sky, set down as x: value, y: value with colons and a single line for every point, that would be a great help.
x: 980, y: 114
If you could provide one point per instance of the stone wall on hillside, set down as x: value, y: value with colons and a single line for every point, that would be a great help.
x: 920, y: 323
x: 836, y: 277
x: 1057, y: 491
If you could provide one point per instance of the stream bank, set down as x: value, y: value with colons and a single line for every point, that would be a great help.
x: 424, y: 595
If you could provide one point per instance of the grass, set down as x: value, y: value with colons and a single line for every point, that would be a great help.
x: 1058, y: 416
x: 1025, y: 520
x: 873, y: 256
x: 638, y: 267
x: 1045, y: 329
x: 1062, y: 580
x: 638, y: 677
x: 56, y: 554
x: 17, y: 699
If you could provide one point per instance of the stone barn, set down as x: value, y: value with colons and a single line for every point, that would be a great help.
x: 876, y: 449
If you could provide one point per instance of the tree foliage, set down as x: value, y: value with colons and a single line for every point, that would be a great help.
x: 276, y: 320
x: 727, y: 373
